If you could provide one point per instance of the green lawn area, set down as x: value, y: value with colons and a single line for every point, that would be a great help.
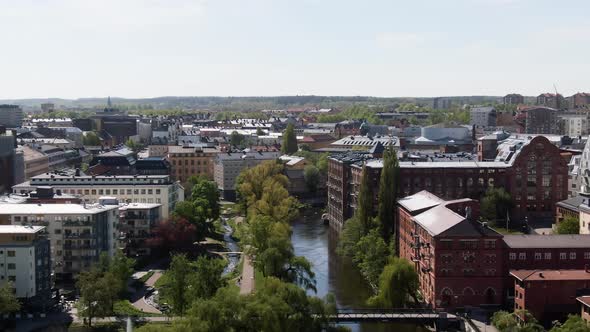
x: 259, y: 280
x: 146, y: 276
x: 162, y: 281
x: 505, y: 231
x: 125, y: 308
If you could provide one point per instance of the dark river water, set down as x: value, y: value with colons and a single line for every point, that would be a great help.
x: 334, y: 274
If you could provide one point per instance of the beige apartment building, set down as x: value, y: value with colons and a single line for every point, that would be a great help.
x: 186, y: 161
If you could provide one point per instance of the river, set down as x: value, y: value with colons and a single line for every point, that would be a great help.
x: 334, y: 274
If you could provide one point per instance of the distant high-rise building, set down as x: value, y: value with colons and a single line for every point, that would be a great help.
x: 48, y: 107
x: 441, y: 103
x: 11, y: 116
x: 513, y: 99
x: 542, y: 120
x: 484, y: 116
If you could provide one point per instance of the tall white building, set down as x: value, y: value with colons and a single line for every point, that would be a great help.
x: 78, y: 233
x: 157, y: 189
x: 574, y: 124
x: 25, y: 262
x: 11, y: 116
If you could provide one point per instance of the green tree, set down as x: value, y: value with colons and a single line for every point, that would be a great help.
x: 97, y: 294
x: 237, y: 139
x: 121, y: 267
x: 135, y: 147
x: 207, y: 191
x: 398, y: 283
x: 311, y: 174
x: 371, y: 255
x: 289, y: 140
x: 178, y: 276
x: 259, y: 132
x: 574, y: 323
x: 351, y: 233
x: 569, y: 225
x: 207, y: 277
x: 8, y: 301
x: 509, y: 322
x: 495, y: 205
x: 91, y: 139
x: 364, y: 208
x: 388, y: 194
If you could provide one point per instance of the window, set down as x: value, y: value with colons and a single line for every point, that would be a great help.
x: 108, y: 191
x: 538, y: 256
x: 129, y: 192
x: 490, y: 244
x: 572, y: 255
x: 547, y: 255
x: 11, y: 253
x: 562, y: 255
x: 587, y: 255
x: 115, y: 191
x: 100, y: 192
x: 150, y: 191
x: 157, y: 191
x: 57, y: 231
x: 522, y: 256
x: 11, y: 266
x: 512, y: 256
x: 143, y: 191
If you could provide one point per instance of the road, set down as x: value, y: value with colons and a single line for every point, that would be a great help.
x: 247, y: 281
x: 138, y: 298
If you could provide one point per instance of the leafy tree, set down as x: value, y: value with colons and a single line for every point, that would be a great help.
x: 574, y: 323
x: 569, y: 225
x: 289, y: 140
x: 508, y: 322
x: 252, y: 182
x: 207, y: 277
x: 121, y: 267
x: 311, y: 174
x: 495, y: 205
x: 97, y: 294
x: 388, y: 194
x: 91, y: 138
x: 351, y: 233
x: 135, y: 147
x: 209, y: 194
x: 178, y: 282
x: 371, y: 254
x: 259, y: 132
x: 8, y: 301
x: 397, y: 284
x: 364, y: 208
x: 237, y: 139
x: 504, y: 320
x: 174, y: 235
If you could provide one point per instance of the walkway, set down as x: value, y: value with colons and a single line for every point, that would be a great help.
x: 138, y: 298
x: 247, y: 279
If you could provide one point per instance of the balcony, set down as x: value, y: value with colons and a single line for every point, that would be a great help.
x: 78, y: 257
x: 70, y: 222
x: 84, y: 235
x: 79, y: 246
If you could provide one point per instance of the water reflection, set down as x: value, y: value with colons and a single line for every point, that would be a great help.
x: 334, y: 274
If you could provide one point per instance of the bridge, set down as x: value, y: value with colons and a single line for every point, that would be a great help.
x: 440, y: 320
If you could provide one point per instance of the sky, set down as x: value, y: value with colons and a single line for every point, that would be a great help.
x: 389, y: 48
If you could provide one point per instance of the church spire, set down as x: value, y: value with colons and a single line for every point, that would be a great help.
x: 109, y: 104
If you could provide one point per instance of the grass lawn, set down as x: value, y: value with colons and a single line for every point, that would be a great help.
x: 505, y: 231
x: 146, y: 276
x: 125, y: 308
x: 162, y: 281
x: 259, y: 280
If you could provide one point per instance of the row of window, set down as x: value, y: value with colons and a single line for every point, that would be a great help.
x: 186, y: 162
x: 547, y: 255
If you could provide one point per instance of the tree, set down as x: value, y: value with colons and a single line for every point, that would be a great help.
x: 259, y: 132
x: 178, y: 281
x: 90, y: 138
x: 209, y: 194
x: 252, y: 183
x: 509, y: 322
x: 388, y: 194
x: 371, y: 254
x: 97, y: 294
x: 569, y: 225
x: 495, y: 205
x: 311, y: 174
x: 574, y: 323
x: 364, y: 208
x: 237, y: 139
x: 8, y: 301
x: 289, y: 140
x: 135, y: 147
x: 121, y: 267
x: 207, y: 277
x: 174, y: 235
x: 351, y: 234
x: 397, y: 284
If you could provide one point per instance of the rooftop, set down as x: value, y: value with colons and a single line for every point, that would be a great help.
x: 138, y: 206
x: 60, y: 209
x: 585, y: 300
x: 18, y: 229
x: 419, y: 201
x: 572, y: 203
x: 555, y: 275
x: 547, y: 241
x: 438, y: 219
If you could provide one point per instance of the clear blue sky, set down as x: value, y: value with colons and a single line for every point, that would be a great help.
x: 147, y: 48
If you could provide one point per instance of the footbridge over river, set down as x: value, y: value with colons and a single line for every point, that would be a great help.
x: 438, y: 319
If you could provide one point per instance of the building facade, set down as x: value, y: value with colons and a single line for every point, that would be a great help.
x: 158, y: 189
x: 187, y: 161
x: 513, y: 99
x: 78, y: 234
x: 11, y: 116
x: 137, y: 221
x: 542, y: 120
x: 25, y: 261
x: 484, y: 116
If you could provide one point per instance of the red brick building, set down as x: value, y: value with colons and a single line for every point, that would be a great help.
x: 550, y: 294
x: 458, y: 260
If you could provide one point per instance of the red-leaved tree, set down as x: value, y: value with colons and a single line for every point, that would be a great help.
x: 174, y: 235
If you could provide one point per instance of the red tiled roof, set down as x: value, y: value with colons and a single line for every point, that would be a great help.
x: 554, y: 275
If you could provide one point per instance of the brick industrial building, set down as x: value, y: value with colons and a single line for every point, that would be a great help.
x: 530, y: 168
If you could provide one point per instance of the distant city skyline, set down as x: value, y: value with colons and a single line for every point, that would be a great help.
x: 142, y: 49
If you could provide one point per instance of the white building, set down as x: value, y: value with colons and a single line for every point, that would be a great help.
x: 11, y: 116
x: 78, y: 233
x: 574, y: 124
x: 158, y: 189
x: 482, y: 116
x: 229, y: 165
x: 25, y: 261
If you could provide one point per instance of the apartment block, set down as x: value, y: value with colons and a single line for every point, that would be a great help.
x: 11, y: 116
x: 137, y: 221
x: 187, y: 161
x: 156, y: 189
